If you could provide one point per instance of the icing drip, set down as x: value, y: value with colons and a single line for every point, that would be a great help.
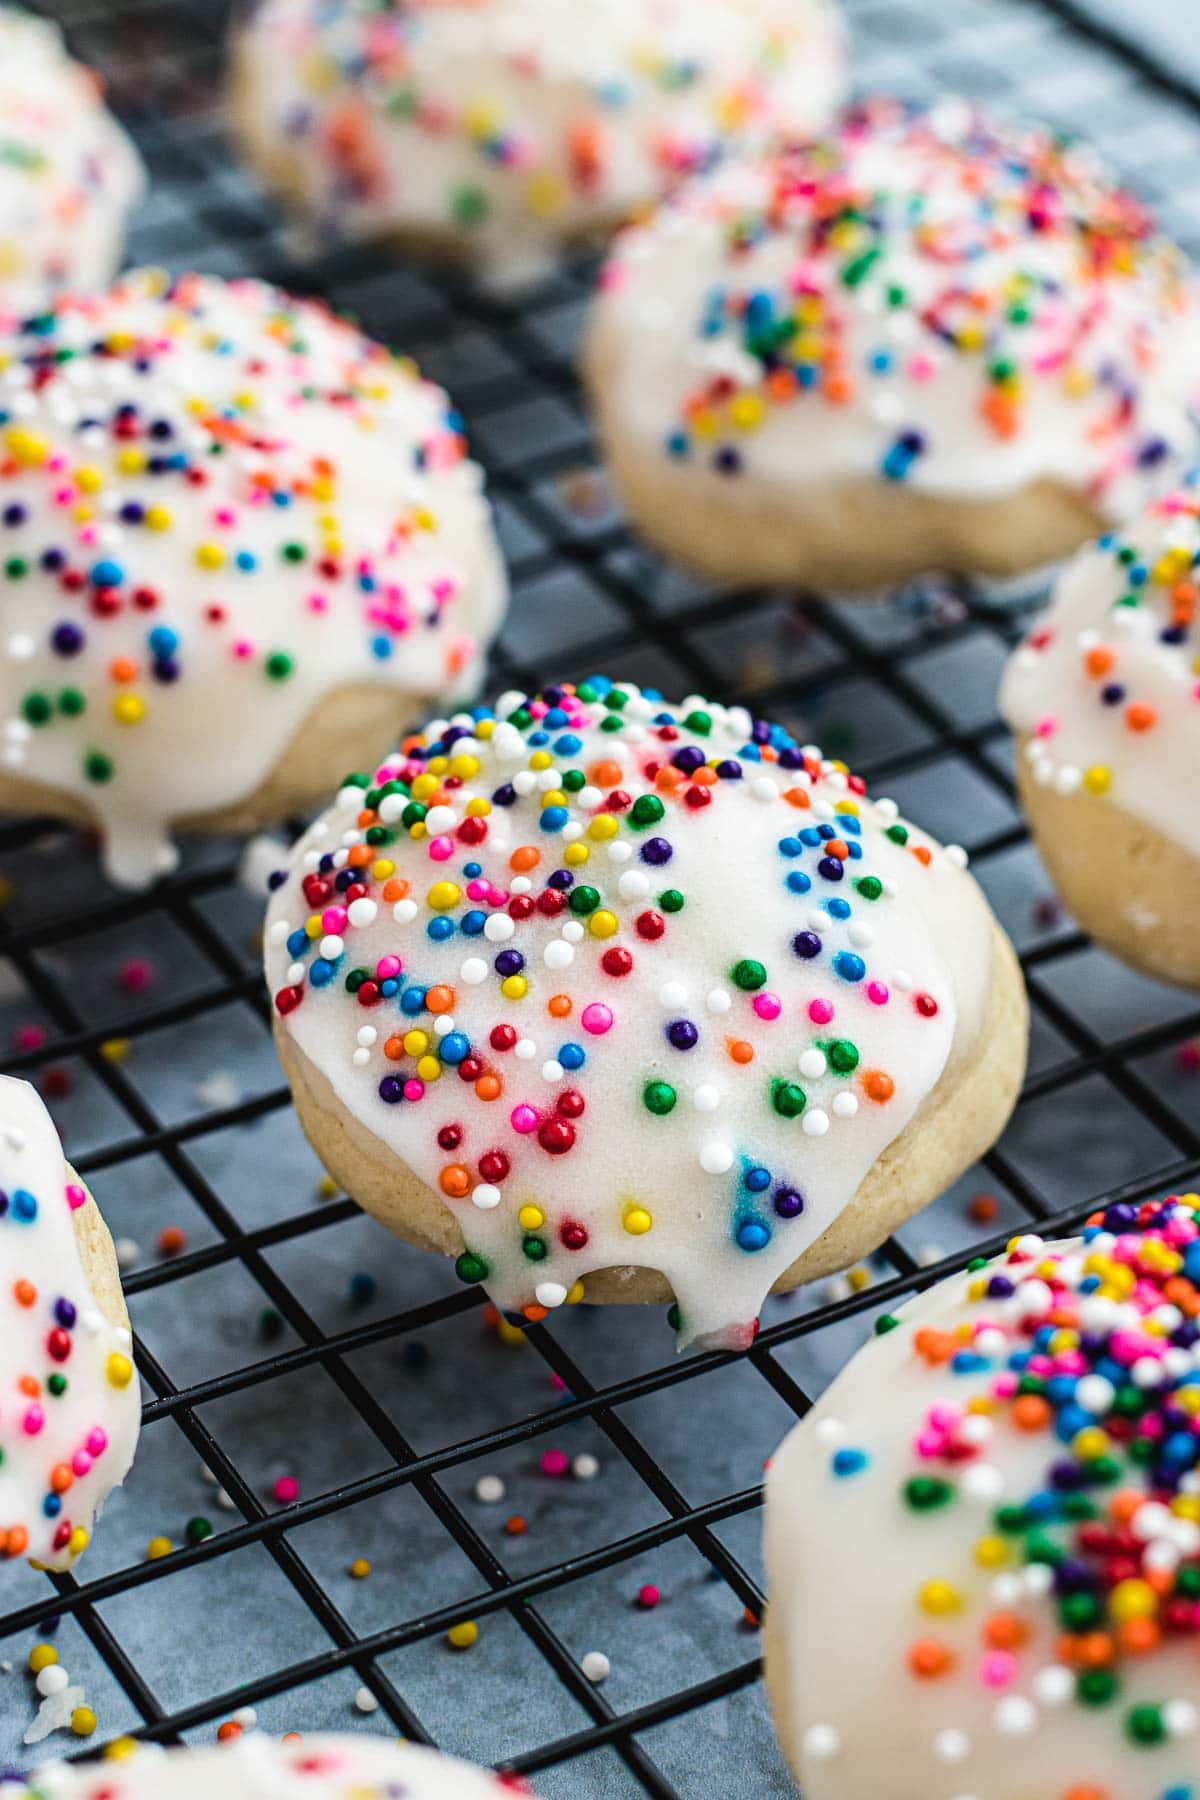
x: 506, y: 125
x: 924, y: 298
x: 218, y: 507
x: 69, y: 1401
x: 68, y: 174
x: 627, y: 984
x: 1105, y: 685
x: 1011, y: 1477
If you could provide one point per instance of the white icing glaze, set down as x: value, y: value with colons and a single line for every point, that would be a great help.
x: 885, y: 328
x: 68, y: 173
x: 71, y: 1448
x: 857, y: 1576
x: 253, y: 1767
x: 323, y: 514
x: 1109, y: 705
x: 505, y: 123
x: 693, y: 1191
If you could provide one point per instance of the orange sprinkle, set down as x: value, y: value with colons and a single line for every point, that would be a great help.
x: 24, y: 1292
x: 934, y: 1346
x: 1085, y: 1793
x: 1140, y: 716
x: 605, y: 774
x: 515, y: 1526
x: 62, y: 1477
x: 359, y: 855
x: 123, y: 668
x: 1005, y: 1631
x: 922, y: 853
x: 395, y: 889
x: 668, y: 779
x: 837, y: 847
x: 559, y: 1006
x: 1030, y: 1412
x: 489, y: 1087
x: 524, y: 858
x: 15, y: 1541
x: 440, y: 999
x: 796, y: 797
x: 1099, y: 660
x: 28, y: 1385
x: 929, y: 1659
x: 230, y: 1729
x: 740, y: 1050
x: 394, y: 1049
x: 704, y: 776
x: 455, y: 1181
x: 534, y: 1313
x: 878, y: 1085
x: 1139, y: 1637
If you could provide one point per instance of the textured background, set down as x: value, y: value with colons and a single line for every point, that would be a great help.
x: 388, y: 1409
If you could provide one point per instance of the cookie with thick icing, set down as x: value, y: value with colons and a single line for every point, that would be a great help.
x: 69, y: 176
x: 254, y: 1767
x: 497, y: 130
x: 926, y: 341
x: 238, y: 541
x: 69, y: 1401
x: 623, y: 1000
x: 983, y: 1542
x: 1104, y: 696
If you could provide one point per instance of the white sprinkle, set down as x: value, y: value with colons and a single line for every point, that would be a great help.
x: 498, y: 928
x: 573, y: 931
x: 706, y: 1098
x: 1054, y: 1685
x: 1179, y: 1717
x: 365, y: 1701
x: 716, y: 1157
x: 719, y: 1000
x: 489, y: 1489
x: 816, y: 1122
x: 764, y: 789
x: 558, y: 955
x: 21, y: 647
x: 552, y: 1070
x: 829, y: 1431
x: 952, y: 1746
x: 1015, y: 1716
x: 439, y: 819
x: 672, y: 994
x: 550, y: 1293
x: 473, y: 971
x: 362, y: 911
x: 525, y: 1048
x: 485, y: 1196
x: 331, y: 947
x: 404, y: 912
x: 822, y: 1743
x: 246, y: 1717
x: 361, y: 1058
x: 845, y: 1104
x: 585, y: 1467
x: 812, y: 1063
x: 634, y: 884
x: 367, y: 1035
x: 596, y: 1665
x: 128, y: 1252
x: 956, y: 855
x: 52, y: 1680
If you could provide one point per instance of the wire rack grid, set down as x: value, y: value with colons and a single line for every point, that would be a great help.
x: 289, y: 1332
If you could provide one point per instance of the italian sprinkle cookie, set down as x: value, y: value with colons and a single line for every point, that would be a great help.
x: 68, y: 174
x: 1104, y: 696
x: 498, y: 129
x: 69, y: 1401
x: 253, y: 1767
x: 628, y: 1001
x: 237, y: 539
x: 992, y: 1518
x: 925, y: 342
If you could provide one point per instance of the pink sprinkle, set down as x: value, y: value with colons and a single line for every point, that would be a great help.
x: 81, y: 1462
x: 29, y: 1037
x: 820, y: 1011
x: 76, y: 1196
x: 1046, y: 727
x: 96, y: 1441
x: 318, y: 603
x: 33, y: 1421
x: 135, y: 975
x: 333, y: 920
x: 286, y: 1489
x: 768, y: 1006
x: 441, y: 849
x: 243, y: 648
x: 596, y: 1018
x: 877, y: 993
x: 387, y: 966
x: 998, y: 1668
x: 414, y: 1089
x: 555, y: 1463
x: 524, y: 1118
x: 648, y: 1597
x: 478, y: 890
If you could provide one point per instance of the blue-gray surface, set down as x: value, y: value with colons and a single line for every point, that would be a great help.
x: 202, y: 1628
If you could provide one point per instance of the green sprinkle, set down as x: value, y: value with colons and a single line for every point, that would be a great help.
x: 583, y: 900
x: 469, y: 205
x: 647, y: 810
x: 197, y: 1529
x: 36, y: 708
x: 925, y: 1493
x: 748, y: 974
x: 97, y: 767
x: 470, y: 1268
x: 659, y: 1097
x: 671, y: 900
x: 279, y: 665
x: 870, y: 887
x: 788, y: 1099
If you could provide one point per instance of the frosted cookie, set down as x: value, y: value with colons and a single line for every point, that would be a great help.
x: 68, y: 174
x: 240, y: 543
x: 991, y: 1518
x: 499, y: 129
x: 328, y: 1767
x: 927, y: 342
x: 628, y: 1001
x: 1104, y: 697
x: 69, y: 1401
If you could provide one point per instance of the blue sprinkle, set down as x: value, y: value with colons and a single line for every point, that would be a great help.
x: 758, y: 1179
x: 752, y: 1234
x: 847, y: 1462
x: 572, y: 1056
x: 472, y: 923
x: 554, y: 818
x: 798, y: 882
x: 24, y: 1206
x: 298, y: 943
x: 838, y: 909
x: 246, y: 561
x: 789, y: 846
x: 107, y: 573
x: 381, y: 647
x: 440, y: 929
x: 454, y: 1046
x: 849, y: 966
x: 412, y: 1001
x: 321, y: 973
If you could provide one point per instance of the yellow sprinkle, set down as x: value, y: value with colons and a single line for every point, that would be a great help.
x: 157, y: 1548
x: 115, y: 1050
x: 119, y: 1370
x: 120, y: 1748
x: 89, y: 479
x: 576, y: 854
x: 747, y: 411
x: 938, y: 1598
x: 210, y: 556
x: 479, y: 807
x: 131, y: 461
x: 602, y: 923
x: 416, y: 1042
x: 313, y: 927
x: 545, y: 193
x: 1097, y: 779
x: 485, y: 729
x: 461, y: 1637
x: 514, y: 987
x: 858, y: 1279
x: 381, y: 870
x: 541, y: 759
x: 28, y: 447
x: 443, y: 895
x: 553, y: 797
x: 423, y: 787
x: 574, y: 1296
x: 464, y: 765
x: 991, y: 1552
x: 83, y: 1721
x: 531, y: 1218
x: 327, y: 1187
x: 41, y: 1657
x: 360, y: 1568
x: 603, y: 827
x: 129, y: 709
x: 1132, y: 1600
x: 429, y: 1068
x: 77, y: 1543
x: 637, y: 1221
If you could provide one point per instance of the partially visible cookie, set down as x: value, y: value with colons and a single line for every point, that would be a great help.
x: 241, y: 545
x: 618, y: 999
x: 69, y: 176
x: 983, y: 1541
x: 924, y: 341
x: 1104, y: 696
x: 70, y: 1406
x: 498, y: 130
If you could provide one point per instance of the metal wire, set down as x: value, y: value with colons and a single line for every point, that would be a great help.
x: 511, y: 368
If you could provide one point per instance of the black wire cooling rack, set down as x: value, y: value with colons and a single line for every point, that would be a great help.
x: 254, y: 1351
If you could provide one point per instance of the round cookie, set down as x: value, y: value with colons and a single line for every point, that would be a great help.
x: 69, y: 176
x: 237, y: 538
x: 70, y: 1408
x: 497, y: 130
x: 254, y: 1767
x: 927, y: 342
x: 622, y: 1000
x: 992, y: 1517
x: 1104, y: 698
